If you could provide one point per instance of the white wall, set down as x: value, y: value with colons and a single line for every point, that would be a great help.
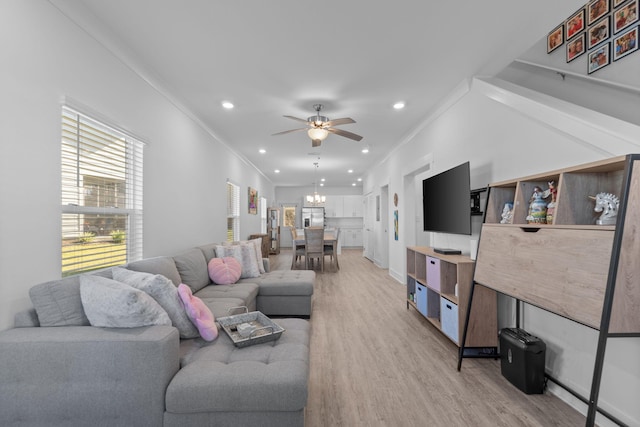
x: 508, y: 131
x: 45, y: 59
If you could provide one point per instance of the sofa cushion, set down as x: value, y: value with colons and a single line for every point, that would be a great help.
x: 199, y: 313
x: 112, y: 304
x: 192, y: 267
x: 224, y: 271
x: 209, y: 251
x: 256, y: 244
x: 164, y: 292
x: 265, y: 377
x: 158, y: 265
x: 285, y: 282
x: 246, y: 256
x: 58, y: 303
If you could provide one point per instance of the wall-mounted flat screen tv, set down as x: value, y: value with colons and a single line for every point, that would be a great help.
x: 446, y: 201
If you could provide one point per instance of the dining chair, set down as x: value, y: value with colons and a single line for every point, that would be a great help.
x: 332, y: 249
x: 314, y: 246
x: 298, y: 250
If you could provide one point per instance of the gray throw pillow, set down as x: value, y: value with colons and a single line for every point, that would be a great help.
x: 164, y: 292
x: 58, y: 303
x: 111, y: 304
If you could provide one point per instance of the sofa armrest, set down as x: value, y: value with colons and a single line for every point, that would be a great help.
x: 82, y: 375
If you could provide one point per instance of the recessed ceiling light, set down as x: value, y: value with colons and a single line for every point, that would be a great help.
x: 277, y: 171
x: 322, y: 184
x: 322, y: 179
x: 359, y: 179
x: 262, y: 151
x: 354, y: 184
x: 228, y: 105
x: 398, y: 105
x: 365, y: 149
x: 350, y: 171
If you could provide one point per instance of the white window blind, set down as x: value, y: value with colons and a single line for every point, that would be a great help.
x: 233, y: 212
x: 263, y: 215
x: 101, y: 195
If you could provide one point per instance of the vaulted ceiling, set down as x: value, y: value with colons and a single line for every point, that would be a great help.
x: 280, y: 57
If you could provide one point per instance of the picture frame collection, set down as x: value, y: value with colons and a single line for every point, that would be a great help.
x: 607, y: 30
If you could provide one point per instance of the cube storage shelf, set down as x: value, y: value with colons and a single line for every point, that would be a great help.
x: 571, y: 267
x: 431, y: 283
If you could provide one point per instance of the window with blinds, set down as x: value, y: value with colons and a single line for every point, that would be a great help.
x: 101, y: 195
x: 233, y: 212
x: 263, y: 215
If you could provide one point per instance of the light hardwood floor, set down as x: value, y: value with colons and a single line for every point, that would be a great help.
x: 375, y: 363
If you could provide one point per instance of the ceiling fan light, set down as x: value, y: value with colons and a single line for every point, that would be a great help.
x: 318, y: 133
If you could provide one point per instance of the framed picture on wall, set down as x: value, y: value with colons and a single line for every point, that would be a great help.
x: 596, y: 9
x: 575, y: 24
x: 575, y: 48
x: 625, y: 16
x: 253, y: 201
x: 598, y: 32
x: 555, y: 39
x: 598, y: 58
x: 625, y: 44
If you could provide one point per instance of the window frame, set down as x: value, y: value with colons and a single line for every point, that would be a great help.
x: 119, y: 166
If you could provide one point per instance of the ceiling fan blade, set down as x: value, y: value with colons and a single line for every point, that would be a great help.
x: 316, y: 142
x: 296, y: 119
x: 288, y: 131
x: 342, y: 121
x: 344, y: 133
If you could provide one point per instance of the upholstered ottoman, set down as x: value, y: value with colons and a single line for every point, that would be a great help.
x: 223, y: 385
x: 285, y: 292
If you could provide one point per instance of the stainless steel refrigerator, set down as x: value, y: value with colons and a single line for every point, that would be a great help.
x: 312, y: 217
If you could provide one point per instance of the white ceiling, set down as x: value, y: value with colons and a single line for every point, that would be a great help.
x: 279, y: 57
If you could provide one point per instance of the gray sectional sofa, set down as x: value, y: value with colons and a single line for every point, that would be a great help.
x: 57, y: 370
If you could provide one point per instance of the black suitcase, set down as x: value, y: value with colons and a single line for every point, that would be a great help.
x: 522, y: 358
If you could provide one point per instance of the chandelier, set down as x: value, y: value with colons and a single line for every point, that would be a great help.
x: 315, y: 199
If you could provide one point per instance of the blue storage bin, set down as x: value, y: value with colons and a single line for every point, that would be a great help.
x: 421, y: 298
x: 449, y: 318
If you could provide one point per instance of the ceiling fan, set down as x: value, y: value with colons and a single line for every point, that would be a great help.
x: 319, y: 127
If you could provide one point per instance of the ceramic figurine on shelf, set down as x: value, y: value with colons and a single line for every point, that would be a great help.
x: 608, y: 204
x: 537, y: 207
x: 551, y: 207
x: 507, y: 213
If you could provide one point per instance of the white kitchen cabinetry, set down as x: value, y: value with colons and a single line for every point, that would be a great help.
x: 343, y: 206
x: 351, y: 237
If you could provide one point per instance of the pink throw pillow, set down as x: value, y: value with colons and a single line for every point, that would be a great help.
x: 199, y: 313
x: 224, y: 271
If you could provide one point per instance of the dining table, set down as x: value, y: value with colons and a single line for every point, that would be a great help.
x: 330, y: 238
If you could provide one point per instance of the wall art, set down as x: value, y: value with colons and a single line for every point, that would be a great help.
x: 555, y: 39
x: 625, y: 16
x: 575, y: 48
x: 253, y: 201
x: 575, y: 24
x: 598, y: 58
x: 599, y: 32
x: 596, y: 10
x: 625, y: 44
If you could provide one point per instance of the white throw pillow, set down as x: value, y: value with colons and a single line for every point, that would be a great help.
x: 246, y: 256
x: 112, y: 304
x: 164, y: 292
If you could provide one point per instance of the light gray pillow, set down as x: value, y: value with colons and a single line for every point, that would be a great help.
x: 246, y: 256
x: 163, y: 291
x: 111, y: 304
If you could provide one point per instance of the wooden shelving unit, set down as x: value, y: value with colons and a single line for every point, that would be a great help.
x: 431, y: 289
x: 578, y: 270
